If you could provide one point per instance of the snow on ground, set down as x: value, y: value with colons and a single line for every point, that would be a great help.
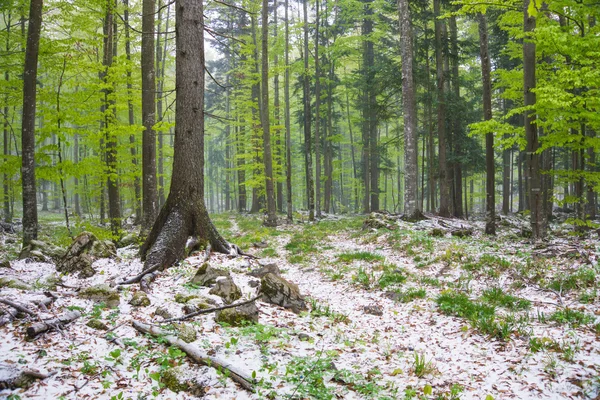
x: 376, y: 351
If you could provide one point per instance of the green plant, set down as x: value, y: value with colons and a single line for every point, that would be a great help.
x: 306, y: 374
x: 363, y: 278
x: 360, y: 256
x: 392, y: 275
x: 421, y: 366
x: 551, y: 366
x: 573, y: 318
x: 411, y: 294
x: 497, y: 297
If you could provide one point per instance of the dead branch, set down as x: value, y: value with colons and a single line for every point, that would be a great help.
x: 241, y: 377
x: 18, y: 307
x: 210, y: 310
x: 54, y: 323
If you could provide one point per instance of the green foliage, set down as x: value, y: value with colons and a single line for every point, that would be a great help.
x: 573, y: 318
x: 495, y: 296
x: 360, y: 256
x: 392, y: 275
x: 307, y: 375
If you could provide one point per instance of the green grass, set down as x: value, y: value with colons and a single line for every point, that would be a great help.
x: 583, y: 278
x: 573, y: 318
x: 411, y: 294
x: 392, y: 275
x: 359, y: 256
x: 495, y: 296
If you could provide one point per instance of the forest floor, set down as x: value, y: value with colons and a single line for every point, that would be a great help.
x: 396, y: 310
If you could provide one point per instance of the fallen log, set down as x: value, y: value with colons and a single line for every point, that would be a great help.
x: 12, y: 377
x: 18, y: 307
x: 242, y: 378
x: 53, y: 323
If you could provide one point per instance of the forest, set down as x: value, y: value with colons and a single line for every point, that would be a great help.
x: 313, y: 199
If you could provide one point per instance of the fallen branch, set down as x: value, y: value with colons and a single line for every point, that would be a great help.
x: 210, y: 310
x: 147, y: 280
x: 18, y: 307
x: 54, y: 323
x: 240, y: 377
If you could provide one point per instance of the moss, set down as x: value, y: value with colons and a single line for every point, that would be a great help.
x: 14, y: 283
x: 102, y: 293
x: 184, y: 298
x: 140, y: 299
x: 173, y: 379
x: 238, y: 316
x: 187, y: 333
x: 97, y: 324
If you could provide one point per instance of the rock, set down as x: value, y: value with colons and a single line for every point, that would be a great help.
x: 277, y: 290
x: 12, y: 377
x: 262, y: 271
x: 97, y: 325
x: 163, y: 312
x: 140, y: 299
x: 260, y: 245
x: 4, y: 264
x: 380, y: 221
x: 185, y: 379
x: 254, y: 284
x: 373, y: 309
x: 128, y: 240
x: 41, y: 251
x: 187, y: 333
x: 85, y: 249
x: 463, y: 232
x: 101, y: 294
x: 304, y: 337
x: 6, y: 227
x: 14, y: 283
x: 184, y: 298
x: 248, y: 313
x: 197, y: 304
x: 207, y: 275
x: 226, y: 288
x: 437, y: 232
x: 10, y: 240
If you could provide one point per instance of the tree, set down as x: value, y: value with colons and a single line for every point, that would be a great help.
x: 409, y: 106
x: 149, y: 196
x: 30, y: 219
x: 490, y: 195
x: 310, y: 192
x: 184, y: 213
x: 264, y: 116
x: 288, y: 135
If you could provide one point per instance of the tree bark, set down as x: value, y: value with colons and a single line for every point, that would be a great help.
x: 490, y: 195
x: 30, y: 219
x: 444, y: 210
x: 149, y: 188
x: 409, y: 108
x: 538, y: 225
x: 266, y: 126
x: 288, y: 136
x: 6, y: 136
x: 310, y: 191
x: 184, y: 213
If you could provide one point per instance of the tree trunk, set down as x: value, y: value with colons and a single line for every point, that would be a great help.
x: 310, y: 192
x: 132, y: 141
x: 6, y: 138
x: 184, y: 213
x: 490, y: 195
x: 266, y: 127
x: 538, y: 225
x: 277, y: 112
x: 456, y: 123
x: 441, y: 114
x: 288, y: 135
x: 150, y: 198
x: 161, y: 55
x: 30, y: 219
x: 257, y: 196
x: 411, y: 204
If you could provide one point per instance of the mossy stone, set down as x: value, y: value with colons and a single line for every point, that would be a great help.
x: 248, y: 313
x: 187, y: 333
x: 175, y: 379
x: 184, y: 298
x: 140, y: 299
x: 101, y: 293
x: 97, y: 325
x: 13, y: 283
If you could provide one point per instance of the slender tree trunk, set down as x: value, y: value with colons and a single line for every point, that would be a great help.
x: 277, y: 112
x: 6, y: 133
x: 30, y: 220
x: 288, y: 135
x: 257, y: 197
x: 352, y: 153
x: 310, y: 192
x: 441, y: 114
x: 161, y: 56
x: 411, y: 204
x: 490, y: 193
x: 538, y: 225
x: 456, y: 122
x: 241, y: 170
x: 150, y: 198
x: 266, y: 127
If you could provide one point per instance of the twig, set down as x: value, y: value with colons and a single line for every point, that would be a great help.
x: 210, y: 310
x: 18, y: 307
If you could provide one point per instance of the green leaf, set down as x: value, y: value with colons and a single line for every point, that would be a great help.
x: 427, y: 390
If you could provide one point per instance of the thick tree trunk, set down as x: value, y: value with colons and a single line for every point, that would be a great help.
x: 310, y: 191
x: 266, y: 127
x: 30, y: 220
x: 456, y: 123
x: 409, y: 107
x: 538, y: 224
x: 444, y: 210
x: 490, y: 193
x: 184, y: 213
x: 317, y: 117
x: 161, y: 55
x: 150, y: 198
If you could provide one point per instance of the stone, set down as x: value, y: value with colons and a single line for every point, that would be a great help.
x: 437, y: 232
x: 12, y: 377
x: 97, y: 325
x: 14, y: 283
x: 262, y: 271
x: 184, y: 298
x: 254, y: 284
x: 186, y: 332
x: 163, y: 312
x: 207, y: 275
x: 128, y: 240
x: 277, y: 290
x: 101, y: 294
x: 185, y: 379
x: 140, y: 299
x: 373, y: 309
x: 463, y: 232
x: 41, y: 251
x: 85, y: 249
x: 226, y: 288
x: 240, y: 315
x: 4, y: 264
x: 197, y: 304
x: 304, y: 337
